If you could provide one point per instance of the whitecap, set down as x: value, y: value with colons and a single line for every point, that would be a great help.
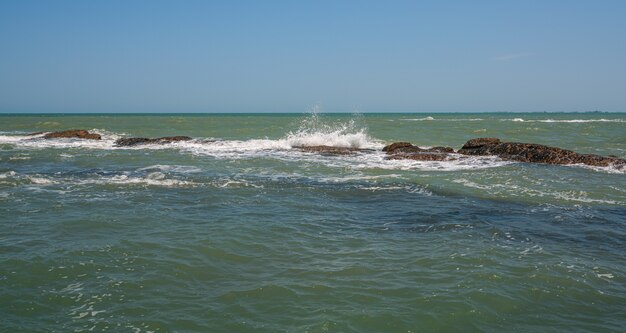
x: 418, y: 119
x: 7, y: 174
x: 614, y: 169
x: 152, y: 179
x: 172, y: 168
x: 38, y: 180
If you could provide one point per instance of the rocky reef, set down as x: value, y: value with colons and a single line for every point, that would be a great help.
x: 513, y: 151
x: 535, y: 153
x: 71, y: 134
x: 127, y: 142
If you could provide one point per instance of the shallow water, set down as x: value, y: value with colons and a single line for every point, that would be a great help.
x: 237, y: 231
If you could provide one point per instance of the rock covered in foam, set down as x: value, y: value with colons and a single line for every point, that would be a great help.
x: 328, y: 150
x: 126, y: 142
x: 535, y: 153
x: 421, y: 156
x: 71, y: 134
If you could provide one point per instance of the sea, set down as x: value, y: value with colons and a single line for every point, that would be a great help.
x: 238, y: 231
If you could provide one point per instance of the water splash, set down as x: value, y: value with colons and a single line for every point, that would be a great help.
x: 316, y: 131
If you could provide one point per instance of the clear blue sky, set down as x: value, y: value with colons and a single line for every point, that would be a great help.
x: 286, y: 56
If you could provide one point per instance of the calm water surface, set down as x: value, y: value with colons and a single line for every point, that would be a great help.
x: 235, y: 231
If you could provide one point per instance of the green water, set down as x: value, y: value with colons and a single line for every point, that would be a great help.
x: 235, y: 231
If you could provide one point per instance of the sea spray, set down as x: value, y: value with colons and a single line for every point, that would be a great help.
x: 316, y: 131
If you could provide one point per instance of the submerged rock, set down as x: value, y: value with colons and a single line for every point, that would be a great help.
x: 405, y: 150
x: 125, y: 142
x: 535, y: 153
x: 329, y: 150
x: 72, y: 134
x: 421, y: 156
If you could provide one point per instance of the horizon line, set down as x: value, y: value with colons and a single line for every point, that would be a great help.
x: 286, y: 113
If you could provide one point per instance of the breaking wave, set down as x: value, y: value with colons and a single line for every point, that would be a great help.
x: 313, y: 130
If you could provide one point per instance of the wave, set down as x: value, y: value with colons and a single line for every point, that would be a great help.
x: 311, y: 131
x: 418, y: 119
x: 441, y: 119
x: 314, y: 131
x: 278, y: 149
x: 150, y: 179
x: 508, y: 189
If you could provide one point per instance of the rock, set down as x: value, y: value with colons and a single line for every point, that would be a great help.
x: 447, y: 150
x: 125, y: 142
x: 329, y: 150
x: 405, y: 150
x: 535, y: 153
x: 73, y: 134
x: 397, y: 145
x: 479, y: 142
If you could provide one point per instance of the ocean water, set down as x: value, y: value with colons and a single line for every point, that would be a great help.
x: 236, y: 231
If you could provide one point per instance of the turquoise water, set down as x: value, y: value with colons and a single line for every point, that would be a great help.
x: 235, y: 231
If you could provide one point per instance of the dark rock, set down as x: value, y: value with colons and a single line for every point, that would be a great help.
x: 535, y: 153
x: 447, y: 150
x: 328, y: 150
x: 72, y: 134
x: 125, y: 142
x: 397, y: 145
x: 405, y: 150
x: 479, y: 142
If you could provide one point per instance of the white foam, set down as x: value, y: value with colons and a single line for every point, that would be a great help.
x: 337, y: 138
x: 418, y: 119
x: 461, y: 162
x: 172, y: 168
x: 234, y: 183
x: 356, y: 177
x: 608, y: 169
x: 40, y: 180
x: 508, y: 188
x: 19, y: 157
x: 7, y: 174
x: 314, y: 132
x: 606, y: 275
x: 441, y: 119
x: 152, y: 179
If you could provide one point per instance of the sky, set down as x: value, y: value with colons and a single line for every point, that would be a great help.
x: 291, y: 56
